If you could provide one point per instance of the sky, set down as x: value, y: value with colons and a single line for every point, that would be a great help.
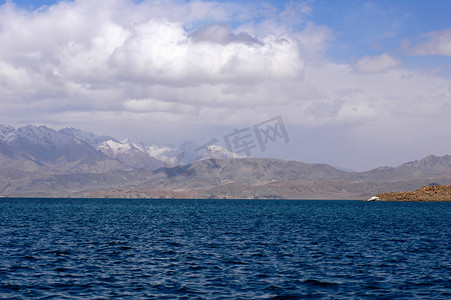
x: 357, y: 84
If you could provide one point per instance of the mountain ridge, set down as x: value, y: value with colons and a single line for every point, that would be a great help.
x: 73, y: 150
x: 72, y: 163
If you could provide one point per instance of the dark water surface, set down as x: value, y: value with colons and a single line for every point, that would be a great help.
x: 94, y: 248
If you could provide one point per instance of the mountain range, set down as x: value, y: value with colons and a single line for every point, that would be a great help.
x: 70, y: 151
x: 39, y: 161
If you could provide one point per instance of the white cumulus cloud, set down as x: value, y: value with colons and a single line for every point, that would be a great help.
x: 94, y: 55
x: 436, y: 43
x: 162, y: 52
x: 375, y: 64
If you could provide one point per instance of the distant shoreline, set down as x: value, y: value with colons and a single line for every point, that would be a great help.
x: 168, y: 198
x: 432, y: 193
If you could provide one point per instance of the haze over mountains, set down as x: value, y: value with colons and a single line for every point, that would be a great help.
x: 40, y: 161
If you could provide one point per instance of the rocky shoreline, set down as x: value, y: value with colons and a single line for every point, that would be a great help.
x: 436, y: 193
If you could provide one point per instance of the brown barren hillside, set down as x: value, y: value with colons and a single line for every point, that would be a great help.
x: 426, y: 193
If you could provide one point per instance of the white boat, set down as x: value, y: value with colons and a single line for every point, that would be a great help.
x: 374, y: 198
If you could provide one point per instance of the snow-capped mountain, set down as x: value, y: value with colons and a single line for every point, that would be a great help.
x: 76, y: 151
x: 125, y: 151
x: 87, y: 137
x: 53, y: 150
x: 42, y: 136
x: 219, y: 152
x: 128, y: 154
x: 112, y: 148
x: 160, y: 152
x: 188, y: 152
x: 6, y: 131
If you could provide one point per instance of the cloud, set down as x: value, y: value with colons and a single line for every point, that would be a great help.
x: 162, y: 52
x: 295, y: 11
x: 375, y: 64
x: 178, y: 68
x: 168, y: 61
x: 152, y: 105
x: 324, y: 109
x: 220, y: 33
x: 313, y: 40
x: 98, y: 44
x: 436, y: 43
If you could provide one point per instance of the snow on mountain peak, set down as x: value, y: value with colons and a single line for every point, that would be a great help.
x: 112, y: 148
x: 218, y: 152
x: 186, y: 153
x: 160, y: 152
x: 6, y: 131
x: 38, y: 135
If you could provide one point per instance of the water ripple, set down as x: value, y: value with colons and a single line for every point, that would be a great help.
x: 88, y: 248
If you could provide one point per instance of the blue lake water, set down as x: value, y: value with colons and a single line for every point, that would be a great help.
x: 102, y: 248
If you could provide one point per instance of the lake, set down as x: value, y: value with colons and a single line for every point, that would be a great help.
x: 266, y: 249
